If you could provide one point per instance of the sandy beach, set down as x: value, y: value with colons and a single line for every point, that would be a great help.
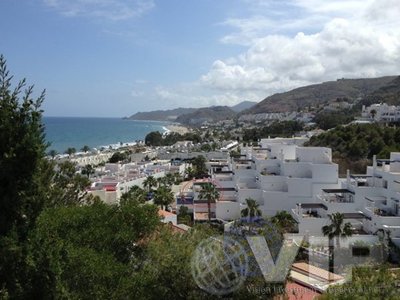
x: 178, y: 129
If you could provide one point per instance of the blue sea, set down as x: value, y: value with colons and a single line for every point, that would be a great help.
x: 65, y: 132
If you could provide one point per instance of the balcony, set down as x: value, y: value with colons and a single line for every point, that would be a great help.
x: 337, y: 196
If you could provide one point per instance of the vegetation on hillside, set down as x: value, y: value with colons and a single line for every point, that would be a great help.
x: 281, y: 129
x: 155, y: 138
x: 353, y: 146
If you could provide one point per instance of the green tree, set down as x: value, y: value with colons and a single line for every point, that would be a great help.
x: 284, y: 220
x: 252, y: 210
x: 70, y: 151
x: 184, y: 216
x: 367, y: 283
x: 88, y: 170
x: 149, y: 183
x: 199, y: 166
x: 163, y: 197
x: 85, y: 148
x: 24, y: 175
x: 210, y: 193
x: 154, y: 138
x: 67, y: 186
x: 135, y: 193
x: 85, y: 252
x: 22, y: 150
x: 52, y: 153
x: 118, y: 157
x: 336, y: 230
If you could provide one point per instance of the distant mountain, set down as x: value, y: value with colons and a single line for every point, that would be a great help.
x: 242, y: 106
x: 389, y: 93
x: 207, y: 114
x: 161, y: 115
x: 173, y: 114
x: 317, y: 94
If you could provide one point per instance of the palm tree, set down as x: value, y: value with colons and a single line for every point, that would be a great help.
x: 85, y: 148
x: 135, y: 194
x: 149, y: 182
x: 70, y: 151
x: 336, y: 229
x: 210, y: 193
x: 252, y: 210
x: 88, y: 170
x: 284, y: 220
x: 163, y: 196
x: 53, y: 153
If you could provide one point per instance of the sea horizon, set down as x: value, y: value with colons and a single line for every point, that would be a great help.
x: 96, y: 132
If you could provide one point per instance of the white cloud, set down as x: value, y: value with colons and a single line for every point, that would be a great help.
x: 357, y: 39
x: 114, y: 10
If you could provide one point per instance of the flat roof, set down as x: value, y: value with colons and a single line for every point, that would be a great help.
x: 316, y: 272
x: 313, y: 205
x: 334, y: 191
x: 355, y: 215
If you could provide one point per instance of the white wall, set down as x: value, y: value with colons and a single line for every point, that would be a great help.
x: 227, y: 210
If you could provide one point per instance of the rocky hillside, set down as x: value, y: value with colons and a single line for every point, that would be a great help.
x: 243, y: 106
x: 161, y: 115
x: 320, y: 94
x: 208, y: 114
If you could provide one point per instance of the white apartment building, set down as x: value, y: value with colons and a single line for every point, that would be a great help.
x: 381, y: 112
x: 370, y: 202
x: 278, y: 175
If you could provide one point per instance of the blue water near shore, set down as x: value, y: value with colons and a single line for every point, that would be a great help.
x: 64, y: 132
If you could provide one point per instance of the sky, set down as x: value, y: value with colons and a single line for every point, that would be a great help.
x: 112, y: 58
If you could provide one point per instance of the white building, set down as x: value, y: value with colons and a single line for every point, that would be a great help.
x: 381, y: 112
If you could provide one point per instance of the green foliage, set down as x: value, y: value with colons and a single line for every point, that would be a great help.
x: 367, y: 283
x: 70, y: 151
x: 284, y: 221
x: 85, y: 252
x: 155, y: 138
x: 252, y: 210
x: 119, y: 157
x: 210, y: 193
x: 163, y: 196
x: 199, y: 166
x: 184, y: 217
x: 281, y: 129
x: 68, y: 187
x: 359, y: 141
x: 328, y: 120
x: 22, y: 151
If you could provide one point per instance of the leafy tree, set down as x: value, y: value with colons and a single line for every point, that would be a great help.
x: 70, y: 151
x: 210, y: 193
x: 135, y: 193
x: 284, y: 220
x: 88, y: 170
x: 199, y: 166
x: 85, y: 252
x: 85, y: 148
x: 184, y: 217
x: 252, y: 210
x: 163, y: 196
x: 118, y: 157
x: 336, y: 230
x: 149, y: 183
x: 154, y: 138
x: 68, y: 187
x: 367, y: 283
x: 52, y: 153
